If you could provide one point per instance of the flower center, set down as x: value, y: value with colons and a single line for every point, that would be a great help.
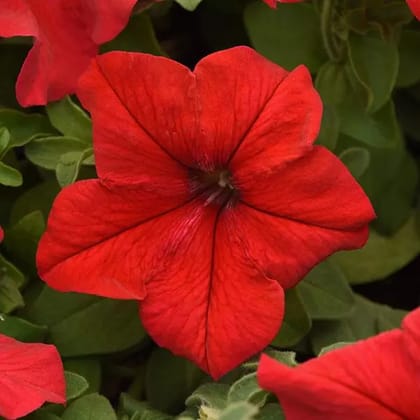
x: 216, y: 186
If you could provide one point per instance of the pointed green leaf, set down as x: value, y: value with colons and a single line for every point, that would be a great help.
x: 21, y: 329
x: 89, y: 407
x: 247, y: 389
x: 190, y: 5
x: 356, y: 159
x: 76, y: 385
x: 10, y: 177
x: 239, y: 411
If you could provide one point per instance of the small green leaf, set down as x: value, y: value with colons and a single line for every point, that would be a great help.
x: 288, y: 358
x: 213, y: 395
x: 140, y: 410
x: 272, y: 32
x: 70, y: 120
x: 247, y: 389
x: 10, y: 177
x: 21, y: 329
x: 10, y: 297
x: 271, y: 411
x: 89, y: 407
x: 375, y: 63
x: 4, y: 140
x: 330, y: 128
x: 88, y: 368
x: 381, y: 256
x: 325, y: 292
x: 296, y: 322
x: 82, y: 325
x: 24, y: 127
x: 189, y: 5
x: 239, y: 411
x: 356, y: 159
x: 68, y: 167
x: 9, y: 271
x: 332, y: 82
x: 47, y: 152
x: 76, y: 385
x: 332, y: 347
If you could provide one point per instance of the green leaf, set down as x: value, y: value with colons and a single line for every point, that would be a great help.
x: 82, y: 325
x: 271, y: 412
x: 190, y: 5
x: 169, y: 381
x: 213, y: 395
x: 247, y: 389
x: 138, y: 36
x: 10, y: 177
x: 375, y: 63
x: 239, y: 411
x: 330, y: 128
x: 296, y: 322
x: 4, y: 140
x: 288, y: 358
x: 47, y: 152
x: 21, y: 329
x: 140, y: 410
x: 325, y: 292
x: 89, y: 368
x: 367, y: 319
x: 21, y: 240
x: 10, y: 297
x: 76, y: 385
x: 379, y: 129
x: 273, y: 32
x: 381, y: 256
x: 409, y: 69
x: 332, y: 82
x: 332, y: 347
x: 24, y: 127
x: 70, y: 120
x: 68, y: 167
x: 89, y: 407
x: 356, y: 159
x: 9, y: 271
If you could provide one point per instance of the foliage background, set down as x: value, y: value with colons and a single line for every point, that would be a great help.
x: 363, y: 55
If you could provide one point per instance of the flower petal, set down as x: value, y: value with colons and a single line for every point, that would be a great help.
x: 285, y: 249
x: 213, y: 307
x: 316, y: 189
x: 284, y: 129
x: 67, y: 37
x: 16, y: 19
x: 411, y: 328
x: 414, y: 5
x: 108, y: 241
x: 30, y: 374
x: 372, y: 379
x: 233, y: 86
x: 140, y: 131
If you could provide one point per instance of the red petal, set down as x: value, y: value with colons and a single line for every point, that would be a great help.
x: 108, y: 241
x: 140, y: 132
x: 213, y: 307
x: 316, y: 189
x: 1, y: 234
x: 67, y: 37
x: 372, y: 379
x: 16, y: 19
x: 285, y: 128
x: 286, y: 249
x: 414, y: 5
x: 30, y: 374
x: 411, y: 328
x: 234, y: 87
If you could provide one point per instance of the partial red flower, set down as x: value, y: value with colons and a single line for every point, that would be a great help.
x: 30, y: 374
x: 211, y: 199
x: 377, y: 378
x: 414, y: 5
x: 273, y: 3
x: 1, y: 234
x: 67, y: 35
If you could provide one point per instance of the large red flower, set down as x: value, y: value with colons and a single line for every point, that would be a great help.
x: 211, y: 199
x: 374, y: 379
x: 67, y: 33
x: 30, y: 374
x: 414, y: 5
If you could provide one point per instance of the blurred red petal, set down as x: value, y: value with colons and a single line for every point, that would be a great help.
x: 30, y: 374
x: 371, y: 379
x: 414, y: 5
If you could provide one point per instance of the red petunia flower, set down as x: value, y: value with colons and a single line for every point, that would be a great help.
x: 30, y: 374
x: 273, y: 3
x: 377, y: 378
x: 211, y: 199
x: 414, y: 5
x: 67, y: 33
